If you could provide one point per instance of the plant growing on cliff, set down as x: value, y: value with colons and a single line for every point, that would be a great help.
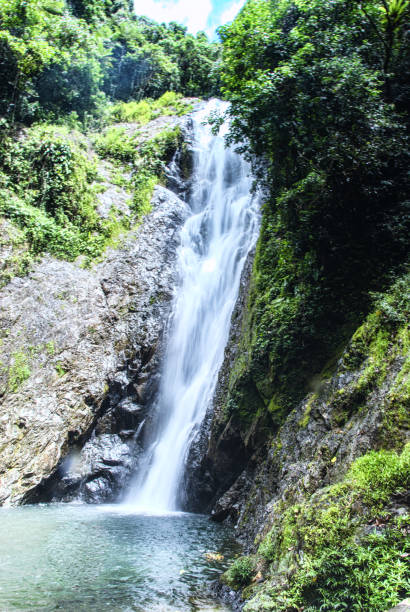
x: 240, y: 573
x: 328, y: 140
x: 142, y: 112
x: 343, y: 548
x: 49, y: 192
x: 19, y: 370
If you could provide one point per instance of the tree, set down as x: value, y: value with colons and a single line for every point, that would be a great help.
x: 311, y: 110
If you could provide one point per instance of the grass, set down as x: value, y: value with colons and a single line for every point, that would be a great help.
x: 19, y: 371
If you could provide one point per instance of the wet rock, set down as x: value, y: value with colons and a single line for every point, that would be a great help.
x: 98, y: 472
x: 243, y: 469
x: 228, y: 596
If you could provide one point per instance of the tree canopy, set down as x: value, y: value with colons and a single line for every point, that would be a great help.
x: 59, y: 57
x: 319, y: 94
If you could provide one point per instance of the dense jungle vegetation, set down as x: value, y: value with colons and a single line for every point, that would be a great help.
x: 319, y: 93
x: 69, y: 71
x: 62, y: 57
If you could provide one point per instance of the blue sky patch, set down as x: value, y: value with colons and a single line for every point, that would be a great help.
x: 197, y: 15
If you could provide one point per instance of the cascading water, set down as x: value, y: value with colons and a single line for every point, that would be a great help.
x: 215, y: 242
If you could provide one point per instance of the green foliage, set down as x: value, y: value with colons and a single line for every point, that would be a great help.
x: 67, y: 57
x: 341, y: 549
x: 371, y: 576
x: 144, y: 185
x: 19, y: 371
x: 384, y: 338
x: 69, y: 65
x: 345, y: 547
x: 159, y: 150
x: 48, y: 192
x: 141, y: 112
x: 59, y: 369
x: 51, y: 61
x: 115, y: 143
x: 48, y: 187
x: 240, y: 573
x: 322, y: 122
x: 44, y: 233
x: 50, y: 348
x: 13, y: 245
x: 154, y: 154
x: 148, y: 160
x: 378, y: 474
x: 149, y: 59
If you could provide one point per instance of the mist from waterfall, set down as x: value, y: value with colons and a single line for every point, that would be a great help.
x: 215, y: 241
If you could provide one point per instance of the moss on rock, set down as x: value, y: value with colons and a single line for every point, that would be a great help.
x: 345, y: 547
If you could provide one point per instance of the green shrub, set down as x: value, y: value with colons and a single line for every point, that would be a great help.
x: 48, y: 190
x: 115, y: 143
x: 372, y: 575
x: 144, y: 184
x: 240, y: 572
x: 137, y: 112
x: 159, y: 150
x: 44, y: 233
x: 142, y: 112
x: 50, y: 169
x: 153, y: 155
x: 380, y: 473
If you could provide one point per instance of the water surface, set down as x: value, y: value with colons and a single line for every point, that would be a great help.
x: 95, y: 558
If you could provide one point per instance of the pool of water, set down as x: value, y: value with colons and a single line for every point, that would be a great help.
x: 95, y: 558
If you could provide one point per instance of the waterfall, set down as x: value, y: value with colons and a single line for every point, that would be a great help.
x: 215, y: 241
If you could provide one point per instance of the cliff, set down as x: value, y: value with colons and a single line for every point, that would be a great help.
x: 81, y: 340
x: 318, y: 495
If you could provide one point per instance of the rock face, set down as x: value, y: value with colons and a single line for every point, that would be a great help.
x: 246, y: 468
x: 259, y: 470
x: 404, y: 606
x: 314, y: 447
x: 241, y: 468
x: 79, y: 355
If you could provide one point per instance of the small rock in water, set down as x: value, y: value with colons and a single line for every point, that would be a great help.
x: 209, y: 556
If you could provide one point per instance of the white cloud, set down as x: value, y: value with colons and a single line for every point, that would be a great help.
x: 192, y: 13
x: 230, y: 13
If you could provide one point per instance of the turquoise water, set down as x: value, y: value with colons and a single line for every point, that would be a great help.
x: 91, y: 558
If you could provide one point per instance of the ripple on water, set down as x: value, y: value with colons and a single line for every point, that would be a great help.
x: 95, y: 558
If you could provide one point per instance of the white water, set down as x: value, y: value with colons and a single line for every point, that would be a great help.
x: 215, y: 242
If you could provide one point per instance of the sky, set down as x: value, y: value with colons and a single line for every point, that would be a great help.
x: 206, y: 15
